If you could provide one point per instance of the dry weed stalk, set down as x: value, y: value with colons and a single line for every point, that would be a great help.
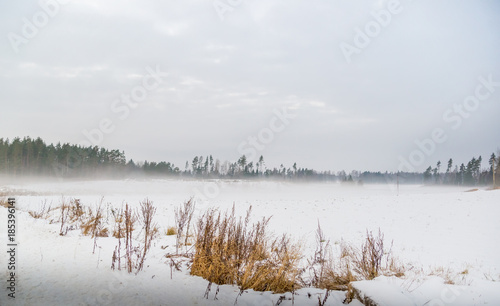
x: 129, y: 228
x: 64, y: 217
x: 183, y: 216
x: 118, y: 233
x: 147, y: 212
x: 368, y: 260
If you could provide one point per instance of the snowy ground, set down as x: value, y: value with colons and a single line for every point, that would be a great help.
x: 446, y: 232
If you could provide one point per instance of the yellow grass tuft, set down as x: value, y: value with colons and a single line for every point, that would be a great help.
x: 231, y: 251
x: 171, y: 231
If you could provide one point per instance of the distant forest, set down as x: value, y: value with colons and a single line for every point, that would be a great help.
x: 33, y: 157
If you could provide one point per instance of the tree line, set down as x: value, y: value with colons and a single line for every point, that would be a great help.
x: 27, y: 156
x: 465, y: 174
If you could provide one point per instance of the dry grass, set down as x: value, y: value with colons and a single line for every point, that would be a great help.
x: 119, y: 223
x: 72, y: 214
x: 326, y: 272
x: 171, y: 231
x: 395, y: 268
x: 64, y: 217
x: 42, y: 212
x: 4, y: 202
x: 278, y: 272
x: 231, y: 251
x: 368, y: 260
x: 76, y: 211
x: 444, y: 273
x: 92, y: 223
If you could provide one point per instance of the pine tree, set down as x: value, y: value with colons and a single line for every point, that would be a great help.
x: 493, y: 167
x: 461, y: 174
x: 448, y: 169
x: 428, y: 174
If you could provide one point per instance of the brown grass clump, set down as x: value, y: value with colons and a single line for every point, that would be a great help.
x: 171, y: 231
x: 230, y: 251
x: 4, y: 202
x: 94, y: 224
x: 278, y: 272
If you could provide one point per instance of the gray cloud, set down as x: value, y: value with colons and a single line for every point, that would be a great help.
x: 225, y: 78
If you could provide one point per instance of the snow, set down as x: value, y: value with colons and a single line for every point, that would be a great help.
x: 441, y: 235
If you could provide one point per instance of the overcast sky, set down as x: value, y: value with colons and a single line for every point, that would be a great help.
x: 363, y: 80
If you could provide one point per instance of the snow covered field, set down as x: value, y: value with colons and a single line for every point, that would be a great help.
x: 446, y: 232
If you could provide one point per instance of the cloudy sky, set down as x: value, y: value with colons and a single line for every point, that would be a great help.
x: 368, y: 83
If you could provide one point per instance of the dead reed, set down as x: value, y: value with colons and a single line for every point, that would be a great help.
x: 228, y: 250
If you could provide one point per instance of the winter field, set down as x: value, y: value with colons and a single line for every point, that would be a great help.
x: 447, y: 240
